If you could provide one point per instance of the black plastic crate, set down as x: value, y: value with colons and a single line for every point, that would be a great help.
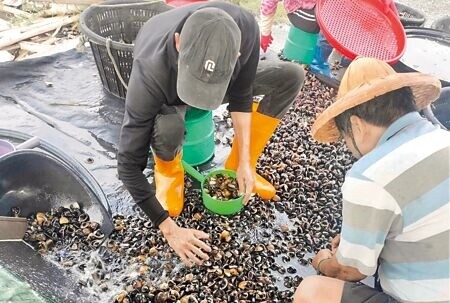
x: 111, y: 28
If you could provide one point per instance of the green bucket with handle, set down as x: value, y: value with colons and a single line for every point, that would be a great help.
x: 199, y: 142
x: 219, y: 207
x: 300, y: 45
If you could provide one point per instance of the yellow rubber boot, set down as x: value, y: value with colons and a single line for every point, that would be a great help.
x: 262, y: 128
x: 169, y: 181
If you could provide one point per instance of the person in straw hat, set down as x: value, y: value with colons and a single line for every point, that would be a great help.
x: 396, y: 208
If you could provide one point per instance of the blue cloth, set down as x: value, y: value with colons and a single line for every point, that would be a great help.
x: 323, y: 44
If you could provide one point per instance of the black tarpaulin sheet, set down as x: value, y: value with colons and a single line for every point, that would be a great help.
x: 60, y: 99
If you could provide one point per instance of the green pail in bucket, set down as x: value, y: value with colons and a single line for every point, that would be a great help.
x: 220, y: 207
x: 300, y: 45
x: 199, y: 141
x: 226, y: 208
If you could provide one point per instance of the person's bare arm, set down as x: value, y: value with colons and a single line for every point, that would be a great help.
x: 330, y: 267
x: 245, y: 177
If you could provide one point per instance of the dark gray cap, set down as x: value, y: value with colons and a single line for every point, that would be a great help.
x: 210, y: 42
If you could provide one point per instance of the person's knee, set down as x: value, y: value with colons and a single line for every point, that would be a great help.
x: 295, y: 76
x: 169, y: 136
x: 306, y: 291
x: 293, y: 81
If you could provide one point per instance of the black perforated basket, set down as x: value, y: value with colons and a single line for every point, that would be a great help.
x: 111, y: 28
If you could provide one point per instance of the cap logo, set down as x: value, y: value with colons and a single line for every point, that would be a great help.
x: 210, y: 65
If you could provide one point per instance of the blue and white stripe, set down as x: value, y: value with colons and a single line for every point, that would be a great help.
x: 396, y: 212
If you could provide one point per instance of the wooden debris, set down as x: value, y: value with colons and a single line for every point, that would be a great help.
x: 35, y: 25
x: 14, y: 11
x: 6, y: 56
x: 21, y: 55
x: 35, y: 47
x: 61, y: 10
x: 14, y: 3
x: 39, y: 28
x: 64, y: 46
x: 50, y: 41
x: 4, y: 25
x: 10, y: 33
x: 12, y: 48
x: 40, y: 38
x: 10, y: 40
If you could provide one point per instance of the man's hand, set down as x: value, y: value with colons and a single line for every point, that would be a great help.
x: 335, y: 243
x: 331, y: 267
x: 186, y: 242
x: 244, y: 171
x: 265, y: 42
x: 321, y: 255
x: 246, y: 180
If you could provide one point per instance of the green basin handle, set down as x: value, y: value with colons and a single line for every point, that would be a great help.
x: 192, y: 172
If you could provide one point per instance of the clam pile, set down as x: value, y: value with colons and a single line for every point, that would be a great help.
x: 229, y: 276
x: 63, y: 227
x: 222, y: 187
x: 256, y: 254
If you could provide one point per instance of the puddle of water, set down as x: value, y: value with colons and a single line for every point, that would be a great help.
x: 294, y: 263
x: 105, y: 274
x: 282, y: 219
x: 262, y: 235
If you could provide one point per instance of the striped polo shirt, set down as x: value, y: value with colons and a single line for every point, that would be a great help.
x: 396, y: 212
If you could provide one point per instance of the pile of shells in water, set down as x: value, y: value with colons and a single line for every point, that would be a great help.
x: 222, y: 187
x: 63, y: 227
x: 257, y: 255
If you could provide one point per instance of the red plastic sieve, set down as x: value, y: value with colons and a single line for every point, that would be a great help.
x: 362, y: 28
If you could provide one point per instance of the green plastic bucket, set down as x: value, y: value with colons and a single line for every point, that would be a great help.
x: 300, y: 45
x: 220, y: 207
x: 199, y: 140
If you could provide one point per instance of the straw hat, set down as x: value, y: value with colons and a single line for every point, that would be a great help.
x: 365, y: 79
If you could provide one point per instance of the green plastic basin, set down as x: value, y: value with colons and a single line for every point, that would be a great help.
x: 199, y: 140
x: 300, y: 45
